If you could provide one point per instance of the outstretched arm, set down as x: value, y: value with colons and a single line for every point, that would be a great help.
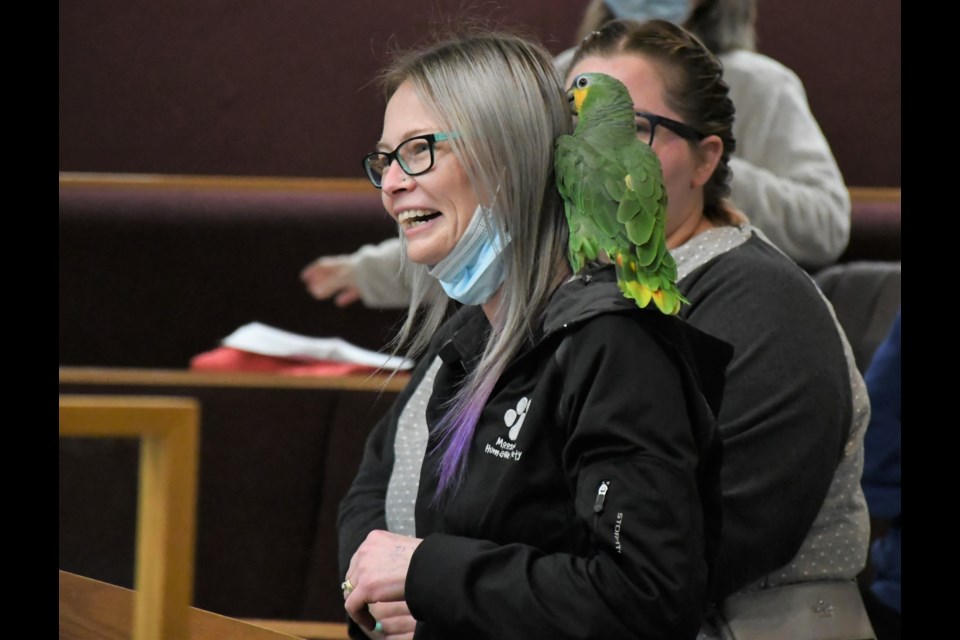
x: 371, y: 274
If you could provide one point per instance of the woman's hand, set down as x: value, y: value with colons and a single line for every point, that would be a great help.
x: 377, y: 575
x: 331, y: 275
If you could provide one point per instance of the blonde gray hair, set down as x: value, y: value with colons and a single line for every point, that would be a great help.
x: 503, y: 96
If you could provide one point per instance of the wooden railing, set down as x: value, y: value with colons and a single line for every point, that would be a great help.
x: 276, y: 183
x: 168, y: 429
x: 95, y: 610
x: 185, y: 378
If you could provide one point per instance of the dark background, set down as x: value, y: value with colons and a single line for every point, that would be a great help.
x: 282, y: 88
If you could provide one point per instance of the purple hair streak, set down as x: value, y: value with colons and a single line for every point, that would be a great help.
x: 457, y: 429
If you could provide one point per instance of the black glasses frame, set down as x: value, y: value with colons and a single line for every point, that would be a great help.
x: 377, y: 179
x: 683, y: 130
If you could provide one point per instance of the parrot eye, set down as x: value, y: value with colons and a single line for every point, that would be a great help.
x: 582, y: 81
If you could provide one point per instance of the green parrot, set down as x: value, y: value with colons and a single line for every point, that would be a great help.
x: 613, y: 192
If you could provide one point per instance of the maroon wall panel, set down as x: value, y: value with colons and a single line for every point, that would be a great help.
x: 284, y: 88
x: 249, y: 88
x: 847, y: 52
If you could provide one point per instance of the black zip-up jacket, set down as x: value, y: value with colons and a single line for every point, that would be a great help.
x: 599, y: 516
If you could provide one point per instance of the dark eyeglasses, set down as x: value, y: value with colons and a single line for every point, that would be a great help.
x: 415, y: 155
x: 648, y: 122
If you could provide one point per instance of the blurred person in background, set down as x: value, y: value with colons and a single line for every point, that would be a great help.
x: 881, y: 485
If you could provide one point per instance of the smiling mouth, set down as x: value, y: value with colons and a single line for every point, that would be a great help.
x: 416, y: 217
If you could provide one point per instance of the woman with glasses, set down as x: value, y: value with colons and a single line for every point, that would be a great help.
x: 551, y: 470
x: 795, y: 525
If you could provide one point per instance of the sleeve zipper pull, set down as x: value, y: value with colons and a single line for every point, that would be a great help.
x: 601, y: 496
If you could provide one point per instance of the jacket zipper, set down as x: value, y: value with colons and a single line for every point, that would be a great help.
x: 599, y: 504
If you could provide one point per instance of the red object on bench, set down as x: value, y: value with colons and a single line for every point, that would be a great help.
x: 230, y: 359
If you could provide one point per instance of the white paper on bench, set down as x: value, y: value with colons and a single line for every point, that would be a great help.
x: 257, y: 337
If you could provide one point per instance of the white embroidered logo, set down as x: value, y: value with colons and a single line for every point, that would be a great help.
x: 507, y: 449
x: 514, y: 419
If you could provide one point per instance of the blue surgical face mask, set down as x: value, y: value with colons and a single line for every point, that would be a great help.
x: 475, y: 269
x: 674, y: 11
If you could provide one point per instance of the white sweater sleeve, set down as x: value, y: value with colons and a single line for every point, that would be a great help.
x: 785, y: 177
x: 378, y: 272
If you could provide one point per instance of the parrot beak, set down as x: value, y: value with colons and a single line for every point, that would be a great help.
x: 576, y: 97
x: 572, y: 99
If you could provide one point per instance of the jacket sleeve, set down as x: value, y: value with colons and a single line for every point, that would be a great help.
x: 785, y: 177
x: 362, y: 509
x: 881, y: 445
x: 631, y: 460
